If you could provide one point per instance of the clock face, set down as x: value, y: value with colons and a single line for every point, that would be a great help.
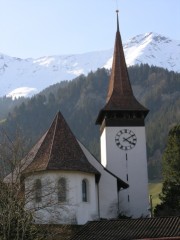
x: 125, y: 139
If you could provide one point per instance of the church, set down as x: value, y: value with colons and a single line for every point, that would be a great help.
x: 65, y: 184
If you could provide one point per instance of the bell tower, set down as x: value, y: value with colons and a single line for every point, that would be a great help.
x: 123, y: 140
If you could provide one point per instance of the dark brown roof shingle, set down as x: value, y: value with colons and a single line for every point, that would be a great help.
x: 126, y: 229
x: 120, y: 96
x: 60, y: 150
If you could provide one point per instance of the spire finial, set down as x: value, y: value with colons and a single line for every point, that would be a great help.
x: 117, y: 11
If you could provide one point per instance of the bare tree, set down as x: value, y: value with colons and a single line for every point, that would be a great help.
x: 25, y: 200
x: 15, y: 221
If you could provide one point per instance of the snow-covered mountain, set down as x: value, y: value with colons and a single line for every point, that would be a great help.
x: 25, y: 77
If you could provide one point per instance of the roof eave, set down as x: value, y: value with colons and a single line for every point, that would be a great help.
x: 103, y: 112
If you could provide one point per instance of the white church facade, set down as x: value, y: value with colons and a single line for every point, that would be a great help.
x: 65, y: 184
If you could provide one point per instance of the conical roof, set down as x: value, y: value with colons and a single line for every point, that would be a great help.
x: 120, y: 96
x: 59, y: 150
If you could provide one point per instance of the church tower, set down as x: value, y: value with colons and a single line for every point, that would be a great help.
x: 123, y: 140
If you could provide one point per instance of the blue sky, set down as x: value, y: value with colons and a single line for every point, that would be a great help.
x: 35, y: 28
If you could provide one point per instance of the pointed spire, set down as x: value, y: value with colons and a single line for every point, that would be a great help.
x: 119, y: 85
x: 120, y: 95
x: 117, y: 11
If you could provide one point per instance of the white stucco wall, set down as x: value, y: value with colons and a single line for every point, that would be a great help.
x: 103, y: 152
x: 74, y: 210
x: 131, y: 167
x: 107, y: 189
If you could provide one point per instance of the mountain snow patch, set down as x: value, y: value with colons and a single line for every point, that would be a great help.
x: 26, y: 77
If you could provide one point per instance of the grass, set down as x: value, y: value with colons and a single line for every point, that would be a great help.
x: 154, y: 190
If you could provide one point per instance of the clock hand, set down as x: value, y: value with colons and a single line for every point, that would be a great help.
x: 128, y: 137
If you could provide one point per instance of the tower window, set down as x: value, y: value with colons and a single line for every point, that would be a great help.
x: 62, y: 190
x: 128, y: 198
x: 38, y: 190
x: 84, y: 190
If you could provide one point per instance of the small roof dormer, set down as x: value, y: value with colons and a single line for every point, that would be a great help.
x: 120, y: 101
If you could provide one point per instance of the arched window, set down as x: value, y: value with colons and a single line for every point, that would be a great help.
x: 38, y: 190
x: 62, y: 190
x: 84, y: 190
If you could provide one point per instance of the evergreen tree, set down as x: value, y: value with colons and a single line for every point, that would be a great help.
x: 81, y: 99
x: 170, y: 196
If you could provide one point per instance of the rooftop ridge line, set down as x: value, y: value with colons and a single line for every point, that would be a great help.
x: 52, y: 139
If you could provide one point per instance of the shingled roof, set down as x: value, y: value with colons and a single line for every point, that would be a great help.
x: 126, y: 229
x: 120, y: 95
x: 59, y: 150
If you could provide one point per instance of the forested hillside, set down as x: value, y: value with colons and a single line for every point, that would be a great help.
x: 7, y: 104
x: 81, y: 99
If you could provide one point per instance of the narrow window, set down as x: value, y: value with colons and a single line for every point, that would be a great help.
x: 128, y: 198
x: 126, y: 160
x: 38, y: 190
x: 62, y: 190
x: 84, y: 190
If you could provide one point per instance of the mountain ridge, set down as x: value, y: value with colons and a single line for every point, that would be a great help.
x: 26, y: 77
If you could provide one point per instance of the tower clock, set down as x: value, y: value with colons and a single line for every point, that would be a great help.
x: 125, y: 139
